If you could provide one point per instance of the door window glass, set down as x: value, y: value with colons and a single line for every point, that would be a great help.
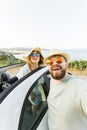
x: 34, y: 105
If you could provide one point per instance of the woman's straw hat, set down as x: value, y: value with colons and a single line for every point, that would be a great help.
x: 55, y: 52
x: 34, y: 49
x: 26, y: 55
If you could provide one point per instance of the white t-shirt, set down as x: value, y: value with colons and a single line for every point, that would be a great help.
x: 23, y: 71
x: 67, y: 104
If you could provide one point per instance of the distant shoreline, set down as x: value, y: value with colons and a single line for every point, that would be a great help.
x: 75, y: 54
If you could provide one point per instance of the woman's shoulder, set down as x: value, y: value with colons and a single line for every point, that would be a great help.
x: 24, y: 68
x: 23, y: 71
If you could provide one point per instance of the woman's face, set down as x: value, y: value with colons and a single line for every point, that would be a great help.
x: 35, y: 57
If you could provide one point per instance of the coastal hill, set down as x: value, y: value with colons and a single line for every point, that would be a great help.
x: 18, y: 50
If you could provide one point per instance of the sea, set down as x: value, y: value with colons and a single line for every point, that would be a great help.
x: 75, y: 54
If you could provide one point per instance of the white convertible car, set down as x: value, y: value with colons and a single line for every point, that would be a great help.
x: 23, y: 104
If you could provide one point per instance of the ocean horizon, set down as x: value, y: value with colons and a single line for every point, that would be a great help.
x: 75, y: 54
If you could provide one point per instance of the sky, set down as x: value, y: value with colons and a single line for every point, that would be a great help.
x: 60, y: 24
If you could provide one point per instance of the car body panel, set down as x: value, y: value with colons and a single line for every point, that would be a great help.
x: 44, y: 123
x: 12, y: 103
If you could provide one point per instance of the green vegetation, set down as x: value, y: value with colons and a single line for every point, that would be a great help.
x: 8, y: 59
x: 79, y: 65
x: 75, y: 67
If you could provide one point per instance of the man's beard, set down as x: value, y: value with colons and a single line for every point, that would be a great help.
x: 59, y: 76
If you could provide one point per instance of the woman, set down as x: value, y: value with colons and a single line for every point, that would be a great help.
x: 33, y: 60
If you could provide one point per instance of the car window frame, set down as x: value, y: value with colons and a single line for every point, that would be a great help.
x: 23, y: 107
x: 7, y: 91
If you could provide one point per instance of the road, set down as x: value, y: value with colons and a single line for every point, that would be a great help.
x: 13, y: 71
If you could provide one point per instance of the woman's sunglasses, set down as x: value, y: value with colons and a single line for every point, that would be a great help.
x: 59, y: 60
x: 35, y: 54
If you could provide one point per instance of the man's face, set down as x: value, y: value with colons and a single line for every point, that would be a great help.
x: 57, y: 67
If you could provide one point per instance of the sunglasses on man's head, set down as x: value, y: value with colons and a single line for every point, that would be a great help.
x: 58, y: 60
x: 35, y: 54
